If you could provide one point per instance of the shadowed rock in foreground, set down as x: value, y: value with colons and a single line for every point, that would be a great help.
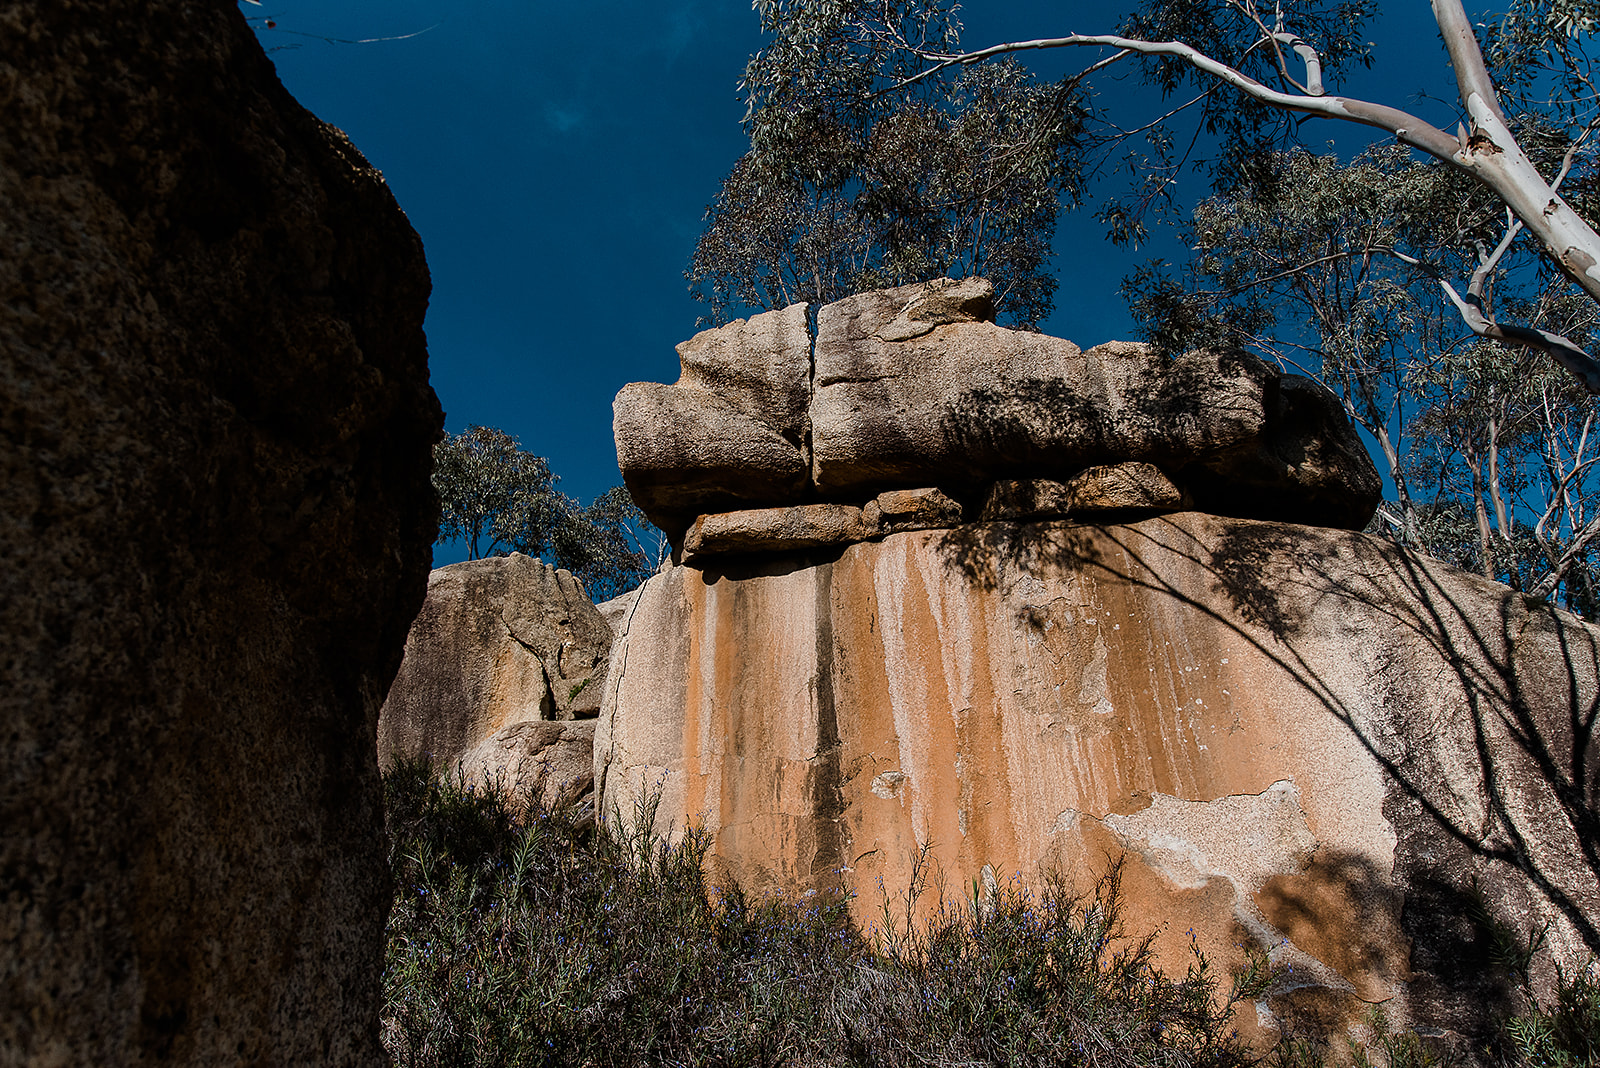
x: 215, y: 523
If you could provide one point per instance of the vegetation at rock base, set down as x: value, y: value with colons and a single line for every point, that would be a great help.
x: 522, y: 937
x: 499, y: 499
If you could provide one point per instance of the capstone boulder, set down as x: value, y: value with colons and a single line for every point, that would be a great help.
x: 918, y: 387
x: 686, y: 452
x: 731, y: 431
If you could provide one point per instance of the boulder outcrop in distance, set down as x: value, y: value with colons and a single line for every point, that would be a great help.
x: 216, y: 522
x: 916, y: 387
x: 501, y: 679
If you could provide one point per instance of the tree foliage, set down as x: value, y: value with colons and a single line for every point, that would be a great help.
x: 499, y: 499
x: 1247, y: 73
x: 847, y: 188
x: 1414, y: 286
x: 1331, y: 269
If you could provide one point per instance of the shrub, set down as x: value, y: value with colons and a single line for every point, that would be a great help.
x: 522, y: 939
x: 1568, y: 1034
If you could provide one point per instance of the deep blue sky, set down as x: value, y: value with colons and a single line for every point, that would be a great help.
x: 557, y: 160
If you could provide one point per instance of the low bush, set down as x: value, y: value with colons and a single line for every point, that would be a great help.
x: 519, y: 937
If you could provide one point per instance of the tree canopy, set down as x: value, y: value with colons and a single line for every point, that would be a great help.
x: 1244, y: 73
x: 498, y: 499
x: 846, y: 189
x: 1331, y: 268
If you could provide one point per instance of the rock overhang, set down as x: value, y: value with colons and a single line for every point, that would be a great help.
x: 917, y: 388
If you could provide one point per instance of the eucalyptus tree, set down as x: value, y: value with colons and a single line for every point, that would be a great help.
x: 846, y: 188
x: 500, y: 499
x: 1331, y: 269
x: 1248, y: 72
x: 1303, y: 263
x: 493, y: 496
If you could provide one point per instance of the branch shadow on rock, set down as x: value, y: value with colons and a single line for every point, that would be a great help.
x: 1479, y: 705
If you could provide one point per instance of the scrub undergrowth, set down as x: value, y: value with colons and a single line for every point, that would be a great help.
x: 519, y: 937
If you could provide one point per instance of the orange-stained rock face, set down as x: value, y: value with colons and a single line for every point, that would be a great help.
x: 1294, y: 739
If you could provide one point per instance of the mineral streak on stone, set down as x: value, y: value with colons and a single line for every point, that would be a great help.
x: 215, y: 521
x: 498, y: 642
x: 1273, y: 726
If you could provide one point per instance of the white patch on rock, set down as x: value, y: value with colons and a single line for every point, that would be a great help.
x: 1244, y: 838
x: 888, y: 784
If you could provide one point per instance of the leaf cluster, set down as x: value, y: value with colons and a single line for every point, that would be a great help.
x: 500, y: 499
x: 1567, y: 1034
x: 854, y: 181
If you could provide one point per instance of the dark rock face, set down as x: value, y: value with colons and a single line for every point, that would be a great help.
x: 215, y: 517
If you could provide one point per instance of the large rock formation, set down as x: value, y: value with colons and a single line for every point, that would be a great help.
x: 501, y: 646
x: 730, y: 431
x: 914, y: 387
x: 1297, y: 741
x: 215, y: 525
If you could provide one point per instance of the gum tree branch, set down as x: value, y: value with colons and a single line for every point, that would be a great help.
x: 1488, y: 152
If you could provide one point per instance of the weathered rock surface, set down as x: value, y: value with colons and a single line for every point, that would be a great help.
x: 499, y: 642
x: 1108, y: 488
x: 761, y: 366
x: 730, y: 432
x: 1298, y: 740
x: 684, y: 452
x: 931, y: 304
x: 801, y: 526
x: 971, y: 403
x: 917, y: 386
x: 920, y: 509
x: 617, y: 610
x: 811, y: 526
x: 551, y: 763
x: 215, y: 527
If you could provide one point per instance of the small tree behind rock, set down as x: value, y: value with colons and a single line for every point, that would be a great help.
x: 498, y: 499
